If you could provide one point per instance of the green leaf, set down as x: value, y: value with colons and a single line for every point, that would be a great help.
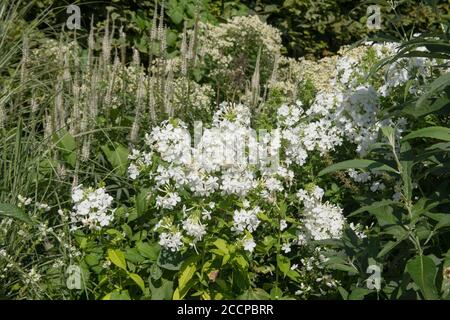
x: 359, y: 293
x: 222, y: 246
x: 389, y: 133
x: 254, y: 294
x: 357, y: 164
x: 375, y: 205
x: 406, y: 168
x: 187, y: 272
x: 385, y: 216
x: 133, y: 255
x: 339, y: 263
x: 118, y: 258
x: 423, y: 272
x: 163, y: 292
x: 170, y: 260
x: 284, y: 264
x: 390, y: 245
x: 276, y: 293
x: 11, y: 211
x: 141, y: 202
x: 117, y: 295
x: 343, y: 292
x: 427, y: 108
x: 117, y: 157
x: 67, y: 145
x: 155, y: 272
x: 176, y: 14
x: 440, y: 133
x: 147, y: 250
x: 138, y: 280
x: 436, y: 86
x: 242, y: 262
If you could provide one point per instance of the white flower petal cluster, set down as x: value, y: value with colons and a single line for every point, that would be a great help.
x: 171, y: 241
x: 249, y: 244
x: 321, y: 220
x: 139, y: 161
x: 172, y: 141
x: 246, y: 220
x: 194, y: 228
x: 168, y: 201
x: 92, y: 208
x: 306, y: 134
x: 289, y: 115
x: 220, y: 161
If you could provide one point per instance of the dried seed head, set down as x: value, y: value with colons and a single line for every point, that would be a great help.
x: 2, y: 116
x: 106, y: 43
x: 139, y: 106
x: 123, y: 45
x: 86, y: 149
x: 91, y: 43
x: 48, y: 127
x: 151, y: 100
x: 136, y: 57
x: 59, y: 112
x: 184, y: 51
x: 274, y: 76
x: 25, y: 55
x: 34, y: 103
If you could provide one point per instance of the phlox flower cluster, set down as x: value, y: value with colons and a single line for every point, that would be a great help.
x: 91, y: 209
x: 320, y: 220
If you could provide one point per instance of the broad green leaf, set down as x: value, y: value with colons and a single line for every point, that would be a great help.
x: 358, y: 294
x: 117, y: 157
x: 284, y: 264
x: 254, y: 294
x: 117, y: 295
x: 11, y: 211
x: 133, y: 255
x: 436, y: 86
x: 118, y: 258
x: 427, y: 108
x: 163, y: 292
x: 375, y: 205
x: 390, y: 245
x: 423, y: 272
x: 440, y: 133
x: 67, y: 145
x: 357, y: 164
x: 141, y: 202
x: 339, y: 263
x: 242, y: 262
x: 155, y: 272
x: 187, y: 272
x: 147, y: 250
x: 65, y: 141
x: 222, y: 246
x: 138, y: 280
x: 389, y: 133
x: 170, y: 260
x: 343, y: 292
x: 276, y: 293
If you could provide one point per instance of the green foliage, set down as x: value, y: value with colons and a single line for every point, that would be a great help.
x: 405, y: 235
